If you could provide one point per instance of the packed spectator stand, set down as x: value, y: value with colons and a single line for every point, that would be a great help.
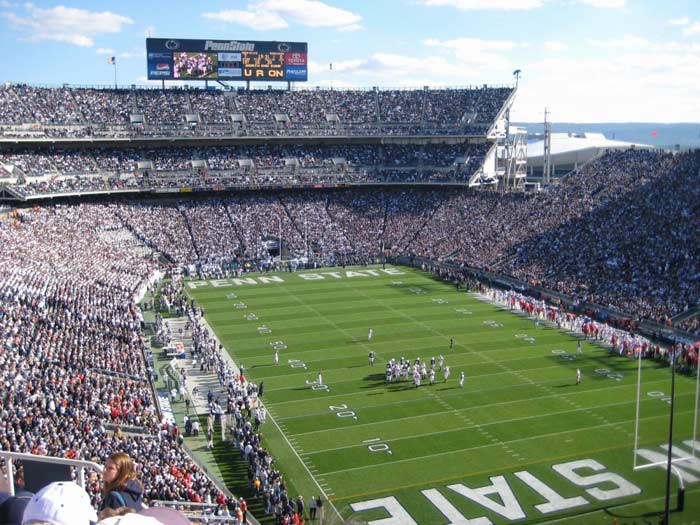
x: 105, y: 138
x: 27, y: 111
x: 57, y: 170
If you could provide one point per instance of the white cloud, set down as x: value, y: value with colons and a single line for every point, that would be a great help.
x: 312, y: 13
x: 554, y: 46
x: 692, y: 29
x: 277, y: 14
x: 474, y: 5
x: 477, y: 52
x: 683, y: 21
x: 689, y: 27
x: 613, y: 4
x: 124, y: 54
x: 65, y: 24
x: 258, y: 20
x: 131, y: 54
x: 339, y: 66
x: 351, y: 27
x: 626, y: 42
x: 626, y: 85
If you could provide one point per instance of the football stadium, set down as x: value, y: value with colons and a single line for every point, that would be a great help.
x: 245, y: 300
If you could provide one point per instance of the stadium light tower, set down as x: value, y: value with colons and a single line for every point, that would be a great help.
x: 279, y: 238
x: 547, y: 165
x: 516, y: 74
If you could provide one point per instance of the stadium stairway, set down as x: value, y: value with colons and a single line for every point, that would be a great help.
x: 205, y: 382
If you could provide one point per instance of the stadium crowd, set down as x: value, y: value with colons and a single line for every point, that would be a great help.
x: 60, y: 171
x: 76, y: 112
x: 72, y: 357
x: 577, y: 237
x: 64, y: 162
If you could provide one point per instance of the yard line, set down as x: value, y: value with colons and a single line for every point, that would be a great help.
x: 397, y: 341
x: 473, y: 376
x: 467, y: 449
x: 459, y: 394
x: 303, y: 463
x: 327, y: 320
x: 432, y: 348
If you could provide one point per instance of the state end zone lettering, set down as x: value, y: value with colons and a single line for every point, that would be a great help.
x: 597, y: 484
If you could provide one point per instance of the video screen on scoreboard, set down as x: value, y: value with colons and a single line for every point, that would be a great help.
x: 173, y: 59
x: 195, y: 65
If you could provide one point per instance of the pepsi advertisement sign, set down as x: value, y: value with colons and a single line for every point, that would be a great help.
x: 160, y: 65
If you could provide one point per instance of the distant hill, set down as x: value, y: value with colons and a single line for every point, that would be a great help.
x: 666, y: 135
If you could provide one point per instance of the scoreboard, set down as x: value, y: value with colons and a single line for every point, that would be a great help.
x: 182, y: 59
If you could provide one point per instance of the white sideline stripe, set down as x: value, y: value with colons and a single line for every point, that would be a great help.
x: 303, y: 463
x: 594, y: 427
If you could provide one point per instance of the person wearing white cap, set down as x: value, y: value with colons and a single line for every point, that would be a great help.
x: 60, y: 503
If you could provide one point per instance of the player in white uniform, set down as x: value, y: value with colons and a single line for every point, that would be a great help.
x: 277, y: 357
x: 579, y: 350
x: 371, y: 358
x: 441, y: 361
x: 447, y: 373
x: 578, y: 376
x: 370, y: 333
x: 461, y: 380
x: 432, y: 376
x: 320, y: 377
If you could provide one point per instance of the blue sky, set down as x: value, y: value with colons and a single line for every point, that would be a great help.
x: 586, y: 60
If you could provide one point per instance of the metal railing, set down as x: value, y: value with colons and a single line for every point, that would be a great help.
x: 79, y: 464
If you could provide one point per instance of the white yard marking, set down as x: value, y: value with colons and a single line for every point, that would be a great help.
x: 520, y: 440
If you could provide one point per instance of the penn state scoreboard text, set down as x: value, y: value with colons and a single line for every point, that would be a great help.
x: 185, y: 59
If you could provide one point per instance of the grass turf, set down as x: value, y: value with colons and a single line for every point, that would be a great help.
x: 519, y: 411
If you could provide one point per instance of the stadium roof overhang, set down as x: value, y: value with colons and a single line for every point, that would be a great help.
x: 568, y: 149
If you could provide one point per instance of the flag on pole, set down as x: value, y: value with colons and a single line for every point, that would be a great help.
x: 331, y: 66
x: 112, y: 61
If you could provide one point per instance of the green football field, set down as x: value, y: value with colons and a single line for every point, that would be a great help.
x: 519, y: 442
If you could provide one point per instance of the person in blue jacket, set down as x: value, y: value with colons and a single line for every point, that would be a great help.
x: 121, y: 486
